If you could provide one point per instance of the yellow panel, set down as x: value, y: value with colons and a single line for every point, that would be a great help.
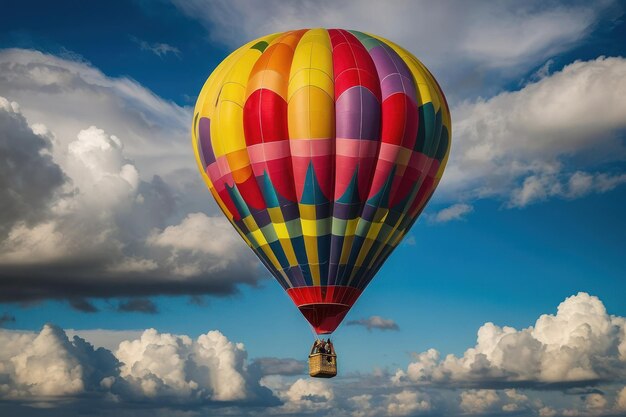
x: 258, y: 235
x: 307, y: 211
x: 374, y: 230
x: 309, y: 227
x: 345, y: 249
x: 250, y: 223
x: 270, y: 255
x: 367, y: 245
x: 311, y: 109
x: 281, y: 230
x: 311, y: 114
x: 314, y: 78
x: 289, y: 252
x: 276, y: 215
x: 351, y: 226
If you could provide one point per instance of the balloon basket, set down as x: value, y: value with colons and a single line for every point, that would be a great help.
x: 322, y: 365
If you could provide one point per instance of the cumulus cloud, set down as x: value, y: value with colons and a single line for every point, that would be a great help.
x: 581, y: 344
x: 544, y: 140
x: 164, y: 365
x: 454, y: 212
x: 407, y: 403
x: 620, y: 401
x: 46, y: 365
x: 29, y: 178
x: 478, y: 401
x: 95, y: 217
x: 302, y: 396
x: 375, y: 322
x: 156, y: 367
x: 571, y: 363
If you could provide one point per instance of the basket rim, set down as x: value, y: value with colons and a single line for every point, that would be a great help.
x: 322, y: 354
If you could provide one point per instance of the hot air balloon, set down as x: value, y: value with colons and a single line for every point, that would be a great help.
x: 322, y: 147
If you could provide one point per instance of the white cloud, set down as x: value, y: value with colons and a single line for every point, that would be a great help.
x: 302, y: 396
x: 46, y: 365
x: 459, y: 42
x: 407, y: 403
x: 156, y: 367
x: 620, y: 401
x: 579, y: 184
x: 162, y: 364
x: 68, y: 96
x: 210, y: 374
x: 595, y: 402
x: 547, y: 412
x: 194, y: 247
x: 454, y: 212
x: 514, y: 400
x: 582, y: 343
x: 478, y: 401
x: 547, y: 139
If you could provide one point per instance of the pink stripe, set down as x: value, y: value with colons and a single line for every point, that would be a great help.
x: 356, y: 148
x: 312, y: 147
x: 222, y: 163
x: 269, y: 151
x: 388, y: 152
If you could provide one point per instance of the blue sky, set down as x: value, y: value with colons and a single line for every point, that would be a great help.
x: 529, y: 213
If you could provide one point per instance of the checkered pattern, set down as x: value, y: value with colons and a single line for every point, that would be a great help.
x: 322, y: 147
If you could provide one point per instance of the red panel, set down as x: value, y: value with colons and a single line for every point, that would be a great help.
x: 352, y: 64
x: 324, y: 307
x: 399, y: 121
x: 265, y: 117
x: 251, y: 193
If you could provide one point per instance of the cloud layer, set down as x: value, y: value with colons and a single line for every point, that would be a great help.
x: 572, y: 363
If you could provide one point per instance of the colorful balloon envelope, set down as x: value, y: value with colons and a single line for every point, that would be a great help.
x: 322, y: 147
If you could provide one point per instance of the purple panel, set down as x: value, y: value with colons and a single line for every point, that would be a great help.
x: 395, y: 76
x: 261, y: 217
x: 206, y: 150
x: 394, y: 83
x: 346, y: 211
x: 336, y: 244
x: 290, y: 211
x: 369, y: 212
x: 358, y: 114
x: 295, y: 276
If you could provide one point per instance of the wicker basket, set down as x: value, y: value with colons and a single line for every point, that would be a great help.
x: 322, y: 365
